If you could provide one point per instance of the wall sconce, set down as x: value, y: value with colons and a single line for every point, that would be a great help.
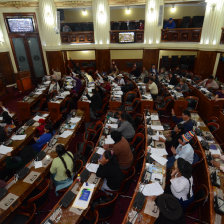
x: 84, y: 12
x: 128, y: 11
x: 173, y: 9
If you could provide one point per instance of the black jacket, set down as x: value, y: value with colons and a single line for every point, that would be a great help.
x: 96, y: 101
x: 112, y: 173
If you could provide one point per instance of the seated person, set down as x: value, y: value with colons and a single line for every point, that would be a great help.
x: 135, y: 71
x: 218, y: 164
x: 186, y: 120
x: 219, y: 95
x: 114, y: 70
x: 152, y: 88
x: 173, y: 79
x: 7, y: 122
x: 182, y: 86
x: 110, y: 171
x: 63, y: 166
x: 182, y: 182
x: 56, y: 74
x: 153, y: 70
x: 170, y: 210
x: 89, y: 77
x: 46, y: 78
x: 183, y: 150
x: 40, y: 128
x: 121, y: 150
x: 54, y: 87
x: 120, y: 80
x: 43, y: 139
x: 209, y: 83
x: 125, y: 127
x: 106, y: 85
x: 173, y: 136
x: 77, y: 83
x: 3, y: 136
x: 144, y: 74
x: 170, y: 24
x: 66, y: 28
x: 96, y: 102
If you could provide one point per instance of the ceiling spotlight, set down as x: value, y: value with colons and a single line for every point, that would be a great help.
x: 173, y: 9
x: 128, y: 10
x: 84, y: 12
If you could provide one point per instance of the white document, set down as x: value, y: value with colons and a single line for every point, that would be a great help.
x: 45, y: 115
x: 38, y: 164
x: 83, y: 204
x: 158, y: 152
x: 200, y: 138
x: 1, y: 118
x: 92, y: 167
x: 38, y: 93
x: 215, y: 152
x: 75, y: 119
x: 112, y: 125
x: 157, y: 127
x: 157, y: 176
x: 18, y: 137
x: 113, y: 120
x: 5, y: 149
x: 47, y: 82
x: 65, y: 134
x: 109, y: 140
x: 154, y: 117
x: 100, y: 150
x: 159, y: 159
x: 153, y: 189
x: 119, y: 93
x: 37, y: 118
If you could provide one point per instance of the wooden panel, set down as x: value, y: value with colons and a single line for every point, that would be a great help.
x: 55, y: 61
x: 127, y: 64
x: 205, y: 62
x: 103, y: 60
x: 6, y: 68
x: 220, y: 71
x: 77, y: 37
x: 150, y: 57
x: 181, y: 35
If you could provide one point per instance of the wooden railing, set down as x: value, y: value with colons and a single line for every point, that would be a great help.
x: 77, y: 37
x: 139, y: 35
x: 222, y: 37
x: 181, y: 35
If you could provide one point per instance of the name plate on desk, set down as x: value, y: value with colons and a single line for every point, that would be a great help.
x: 30, y: 179
x: 93, y: 179
x: 7, y: 201
x: 151, y: 209
x: 46, y: 162
x: 76, y: 210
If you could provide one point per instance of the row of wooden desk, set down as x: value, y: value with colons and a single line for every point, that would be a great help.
x: 18, y: 191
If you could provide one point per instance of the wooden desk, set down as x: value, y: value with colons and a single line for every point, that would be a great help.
x: 23, y: 189
x: 19, y: 144
x: 145, y: 218
x: 85, y: 107
x: 24, y: 107
x: 67, y: 216
x: 179, y: 106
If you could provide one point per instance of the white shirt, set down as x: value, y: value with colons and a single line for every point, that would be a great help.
x: 180, y: 187
x: 121, y: 82
x: 186, y: 152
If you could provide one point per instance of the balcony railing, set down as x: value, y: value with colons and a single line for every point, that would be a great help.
x: 222, y: 37
x: 139, y: 35
x: 181, y: 35
x: 77, y: 37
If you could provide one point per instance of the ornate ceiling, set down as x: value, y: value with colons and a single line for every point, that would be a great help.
x: 82, y: 3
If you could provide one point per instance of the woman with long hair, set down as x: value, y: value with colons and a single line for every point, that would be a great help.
x: 63, y: 166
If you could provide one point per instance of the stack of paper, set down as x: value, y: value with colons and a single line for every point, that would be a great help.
x: 112, y: 125
x: 158, y: 152
x: 100, y: 150
x: 157, y: 127
x: 154, y: 117
x: 75, y: 119
x: 65, y: 134
x: 109, y: 140
x: 113, y: 120
x: 4, y: 149
x: 153, y: 189
x: 18, y: 137
x: 92, y: 167
x: 37, y: 118
x: 158, y: 158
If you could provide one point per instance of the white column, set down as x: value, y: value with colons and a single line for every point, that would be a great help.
x: 101, y: 21
x: 152, y: 33
x: 216, y: 64
x: 3, y: 44
x: 48, y: 17
x: 213, y: 22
